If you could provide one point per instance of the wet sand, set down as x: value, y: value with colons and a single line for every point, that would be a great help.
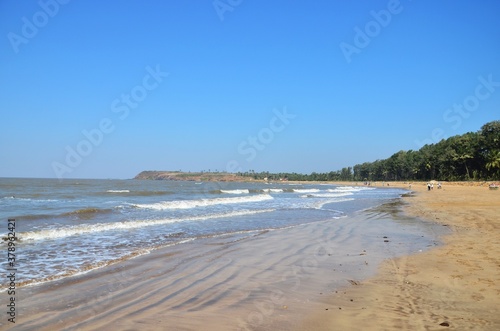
x: 274, y: 280
x: 451, y: 287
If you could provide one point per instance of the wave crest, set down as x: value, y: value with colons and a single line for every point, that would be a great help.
x: 101, y: 227
x: 188, y: 204
x: 244, y: 191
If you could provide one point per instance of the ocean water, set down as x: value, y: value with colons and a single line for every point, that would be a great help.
x: 73, y: 226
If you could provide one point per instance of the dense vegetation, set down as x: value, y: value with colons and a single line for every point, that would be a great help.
x: 470, y: 156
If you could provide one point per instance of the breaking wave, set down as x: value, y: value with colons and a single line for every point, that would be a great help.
x: 312, y: 190
x: 101, y: 227
x: 235, y: 191
x: 327, y: 195
x: 188, y: 204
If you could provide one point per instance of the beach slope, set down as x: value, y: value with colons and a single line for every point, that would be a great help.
x: 452, y: 287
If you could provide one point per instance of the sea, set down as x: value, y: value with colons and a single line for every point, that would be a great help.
x: 73, y: 226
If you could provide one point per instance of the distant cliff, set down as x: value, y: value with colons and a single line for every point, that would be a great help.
x: 191, y: 176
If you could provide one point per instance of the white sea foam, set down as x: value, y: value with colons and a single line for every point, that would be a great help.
x: 351, y: 189
x: 273, y: 190
x: 245, y: 191
x: 188, y: 204
x: 101, y: 227
x: 118, y: 191
x: 327, y: 195
x: 28, y: 199
x: 312, y: 190
x: 320, y: 204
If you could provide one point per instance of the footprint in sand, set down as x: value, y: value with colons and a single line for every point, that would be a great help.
x: 477, y: 297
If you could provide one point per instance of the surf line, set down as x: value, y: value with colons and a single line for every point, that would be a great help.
x: 11, y: 269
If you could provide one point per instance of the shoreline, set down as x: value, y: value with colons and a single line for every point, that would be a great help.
x: 429, y: 260
x: 451, y: 287
x: 268, y: 281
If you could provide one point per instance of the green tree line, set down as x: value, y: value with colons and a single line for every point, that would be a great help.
x: 470, y: 156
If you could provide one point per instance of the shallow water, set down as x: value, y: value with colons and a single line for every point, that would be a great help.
x: 70, y: 227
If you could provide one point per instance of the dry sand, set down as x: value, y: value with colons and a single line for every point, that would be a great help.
x: 452, y: 287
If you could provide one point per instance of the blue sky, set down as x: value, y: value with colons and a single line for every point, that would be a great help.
x: 294, y: 86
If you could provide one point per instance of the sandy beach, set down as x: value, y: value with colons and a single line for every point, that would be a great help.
x: 451, y: 287
x: 380, y: 270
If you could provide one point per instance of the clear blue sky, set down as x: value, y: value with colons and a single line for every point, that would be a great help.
x: 352, y: 81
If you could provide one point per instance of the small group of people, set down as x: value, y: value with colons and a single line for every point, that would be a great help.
x: 430, y: 186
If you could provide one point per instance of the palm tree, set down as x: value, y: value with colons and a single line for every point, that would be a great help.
x: 463, y: 158
x: 493, y: 161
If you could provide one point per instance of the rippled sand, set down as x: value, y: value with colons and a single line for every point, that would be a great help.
x: 274, y: 280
